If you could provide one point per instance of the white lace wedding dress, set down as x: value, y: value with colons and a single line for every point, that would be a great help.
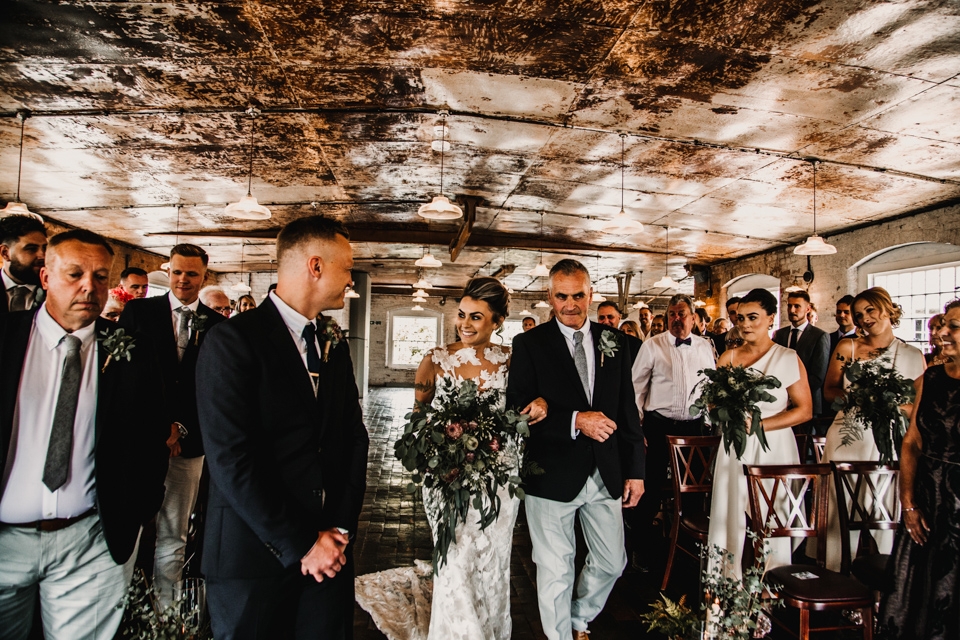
x: 470, y: 597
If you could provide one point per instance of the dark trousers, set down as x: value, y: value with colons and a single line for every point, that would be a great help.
x: 285, y: 606
x: 656, y: 428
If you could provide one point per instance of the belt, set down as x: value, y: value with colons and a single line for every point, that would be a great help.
x: 656, y: 415
x: 53, y: 524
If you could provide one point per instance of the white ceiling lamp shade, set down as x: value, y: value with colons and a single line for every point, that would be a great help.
x: 622, y: 224
x: 541, y: 270
x: 793, y: 289
x: 542, y: 304
x: 416, y: 307
x: 699, y: 304
x: 247, y: 208
x: 350, y: 293
x: 419, y: 299
x: 428, y: 261
x: 599, y: 297
x: 640, y: 304
x: 815, y: 245
x: 17, y: 208
x: 440, y: 208
x: 525, y: 313
x: 241, y: 287
x: 422, y: 283
x: 421, y: 293
x: 165, y: 266
x: 666, y: 282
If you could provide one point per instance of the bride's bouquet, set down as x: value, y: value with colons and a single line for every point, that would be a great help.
x: 729, y: 397
x: 872, y: 401
x: 466, y: 447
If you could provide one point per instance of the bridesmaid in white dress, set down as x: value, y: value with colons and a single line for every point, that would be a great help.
x: 876, y: 315
x: 792, y: 405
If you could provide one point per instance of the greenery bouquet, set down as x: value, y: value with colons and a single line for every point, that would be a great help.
x: 729, y: 397
x: 466, y: 447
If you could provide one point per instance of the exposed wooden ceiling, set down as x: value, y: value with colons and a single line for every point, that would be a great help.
x: 138, y: 123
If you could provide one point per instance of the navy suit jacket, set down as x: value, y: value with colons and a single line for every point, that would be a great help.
x: 813, y: 347
x: 284, y: 464
x: 130, y: 454
x: 541, y: 366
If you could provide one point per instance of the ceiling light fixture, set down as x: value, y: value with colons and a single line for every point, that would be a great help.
x: 416, y: 307
x: 17, y: 208
x: 247, y: 208
x: 666, y: 282
x: 699, y: 304
x: 599, y: 297
x: 440, y: 208
x: 541, y: 270
x: 525, y: 313
x: 421, y: 293
x: 422, y: 283
x: 640, y: 304
x: 419, y: 299
x: 241, y: 287
x: 428, y: 260
x: 350, y: 293
x: 542, y: 304
x: 815, y: 245
x: 622, y: 224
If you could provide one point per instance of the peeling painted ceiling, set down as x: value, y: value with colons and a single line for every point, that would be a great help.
x: 138, y: 129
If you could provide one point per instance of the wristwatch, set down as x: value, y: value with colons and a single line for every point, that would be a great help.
x: 182, y: 430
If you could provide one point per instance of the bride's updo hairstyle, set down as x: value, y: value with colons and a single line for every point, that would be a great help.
x: 878, y: 298
x: 766, y: 300
x: 491, y: 291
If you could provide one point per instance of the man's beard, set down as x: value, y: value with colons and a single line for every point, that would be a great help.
x: 24, y: 273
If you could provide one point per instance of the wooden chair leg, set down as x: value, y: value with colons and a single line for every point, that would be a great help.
x: 804, y: 624
x: 868, y: 623
x: 674, y: 534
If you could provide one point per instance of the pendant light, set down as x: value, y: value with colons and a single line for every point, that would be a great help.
x: 419, y: 299
x: 421, y: 293
x: 428, y: 261
x: 542, y: 304
x: 541, y: 270
x: 640, y: 304
x: 440, y: 208
x: 525, y: 313
x: 416, y: 307
x: 815, y: 245
x: 666, y: 282
x: 622, y: 224
x: 598, y: 297
x: 350, y: 293
x: 247, y: 208
x: 422, y: 283
x: 241, y: 287
x: 17, y: 208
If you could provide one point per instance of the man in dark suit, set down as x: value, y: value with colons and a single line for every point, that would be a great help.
x: 608, y: 314
x: 287, y: 452
x: 811, y: 344
x: 23, y: 242
x: 845, y: 326
x: 590, y: 447
x: 82, y: 460
x: 175, y: 326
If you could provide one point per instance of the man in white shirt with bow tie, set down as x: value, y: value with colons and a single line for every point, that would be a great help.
x: 23, y: 243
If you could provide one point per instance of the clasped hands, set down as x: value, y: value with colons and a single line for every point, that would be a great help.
x: 327, y: 555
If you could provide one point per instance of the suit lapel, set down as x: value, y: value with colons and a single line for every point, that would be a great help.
x: 286, y: 351
x: 106, y: 383
x: 12, y: 354
x: 557, y: 344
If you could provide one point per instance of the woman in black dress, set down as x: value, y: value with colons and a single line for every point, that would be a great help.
x: 924, y: 602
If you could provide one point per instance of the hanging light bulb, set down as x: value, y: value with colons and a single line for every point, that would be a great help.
x: 350, y: 293
x: 17, y: 208
x: 247, y: 208
x: 666, y: 282
x: 440, y: 208
x: 541, y: 270
x: 622, y: 224
x: 815, y: 245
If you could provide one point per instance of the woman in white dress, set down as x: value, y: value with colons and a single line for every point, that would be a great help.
x: 875, y: 314
x: 792, y: 405
x: 471, y: 591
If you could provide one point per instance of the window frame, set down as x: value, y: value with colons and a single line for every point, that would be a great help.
x: 406, y: 312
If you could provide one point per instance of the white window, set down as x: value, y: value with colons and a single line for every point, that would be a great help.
x: 411, y: 335
x: 921, y: 293
x: 511, y: 327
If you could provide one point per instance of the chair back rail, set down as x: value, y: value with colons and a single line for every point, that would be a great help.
x: 868, y: 499
x: 691, y: 460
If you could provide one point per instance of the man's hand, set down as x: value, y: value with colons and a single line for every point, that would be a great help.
x: 326, y: 556
x: 632, y: 490
x: 537, y: 410
x: 594, y: 424
x: 173, y: 442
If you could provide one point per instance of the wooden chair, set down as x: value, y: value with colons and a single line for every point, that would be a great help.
x: 806, y: 443
x: 819, y: 443
x: 868, y: 499
x: 778, y: 510
x: 691, y: 464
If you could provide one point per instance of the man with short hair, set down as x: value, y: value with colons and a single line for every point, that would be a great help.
x: 134, y: 281
x: 287, y: 451
x: 528, y: 323
x: 216, y: 298
x: 608, y: 314
x: 845, y: 326
x: 23, y: 243
x: 664, y: 378
x: 176, y: 325
x: 645, y: 319
x: 590, y: 447
x: 811, y: 344
x: 82, y: 462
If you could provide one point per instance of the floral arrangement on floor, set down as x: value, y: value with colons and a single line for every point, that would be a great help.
x: 872, y: 401
x: 729, y: 397
x: 465, y: 447
x: 143, y: 619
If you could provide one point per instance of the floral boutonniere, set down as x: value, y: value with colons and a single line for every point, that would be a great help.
x: 118, y: 345
x: 198, y: 323
x: 608, y: 345
x: 329, y: 334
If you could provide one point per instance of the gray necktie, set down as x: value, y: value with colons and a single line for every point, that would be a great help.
x: 18, y: 298
x: 183, y: 331
x: 580, y: 359
x: 57, y: 465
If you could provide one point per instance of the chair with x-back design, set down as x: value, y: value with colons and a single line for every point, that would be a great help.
x: 691, y: 463
x: 778, y: 509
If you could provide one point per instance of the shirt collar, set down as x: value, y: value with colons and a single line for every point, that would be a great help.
x: 569, y: 331
x: 176, y: 304
x: 291, y: 317
x: 52, y: 333
x: 801, y: 328
x: 852, y: 332
x: 8, y: 282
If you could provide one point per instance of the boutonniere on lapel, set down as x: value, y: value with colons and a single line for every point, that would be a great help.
x: 608, y: 345
x: 198, y: 323
x: 117, y: 345
x: 329, y: 335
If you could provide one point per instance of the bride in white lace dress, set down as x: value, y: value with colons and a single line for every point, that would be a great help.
x: 471, y: 592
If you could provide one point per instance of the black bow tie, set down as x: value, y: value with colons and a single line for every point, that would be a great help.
x: 685, y: 341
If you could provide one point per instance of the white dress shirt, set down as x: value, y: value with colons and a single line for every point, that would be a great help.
x: 175, y: 317
x: 295, y: 323
x: 799, y: 329
x: 591, y: 358
x: 9, y: 284
x: 25, y: 497
x: 664, y: 375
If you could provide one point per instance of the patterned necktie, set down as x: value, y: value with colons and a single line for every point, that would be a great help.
x: 309, y: 335
x: 57, y: 465
x: 580, y: 359
x: 183, y: 331
x: 18, y: 298
x: 793, y: 338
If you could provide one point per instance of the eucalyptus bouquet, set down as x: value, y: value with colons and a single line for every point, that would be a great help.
x: 872, y: 401
x: 729, y: 397
x: 466, y: 447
